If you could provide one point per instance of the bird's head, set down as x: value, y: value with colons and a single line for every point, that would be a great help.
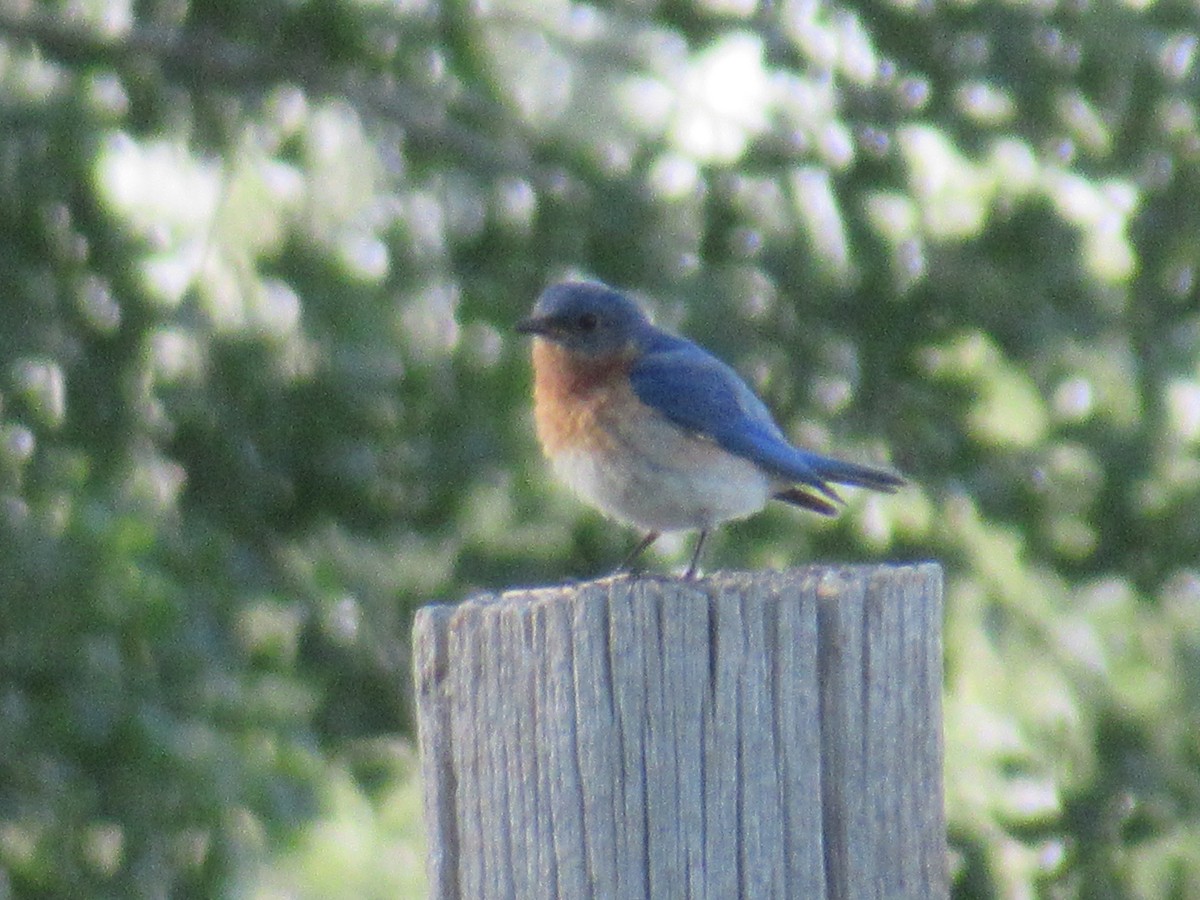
x: 586, y: 318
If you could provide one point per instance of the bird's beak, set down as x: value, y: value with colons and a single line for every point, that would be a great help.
x: 534, y: 325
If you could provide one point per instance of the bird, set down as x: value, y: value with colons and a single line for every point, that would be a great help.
x: 656, y: 432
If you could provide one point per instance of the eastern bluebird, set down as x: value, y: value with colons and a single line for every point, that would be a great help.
x: 656, y: 432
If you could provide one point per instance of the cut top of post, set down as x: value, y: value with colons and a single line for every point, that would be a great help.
x: 773, y: 734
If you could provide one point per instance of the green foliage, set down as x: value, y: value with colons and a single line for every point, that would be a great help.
x: 260, y: 397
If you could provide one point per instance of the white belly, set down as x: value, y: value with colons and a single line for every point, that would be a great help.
x: 665, y: 481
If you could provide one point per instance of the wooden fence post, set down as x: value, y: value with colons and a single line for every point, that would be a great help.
x: 746, y: 735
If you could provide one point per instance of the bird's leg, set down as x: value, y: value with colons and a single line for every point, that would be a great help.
x: 637, y: 551
x: 691, y: 569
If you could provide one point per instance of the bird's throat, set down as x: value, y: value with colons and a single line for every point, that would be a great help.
x: 571, y: 390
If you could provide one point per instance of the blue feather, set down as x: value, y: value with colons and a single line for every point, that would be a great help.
x: 702, y: 395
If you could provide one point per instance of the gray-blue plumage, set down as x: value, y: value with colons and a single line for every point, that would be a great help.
x: 698, y: 392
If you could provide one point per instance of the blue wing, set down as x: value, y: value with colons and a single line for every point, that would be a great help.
x: 701, y: 394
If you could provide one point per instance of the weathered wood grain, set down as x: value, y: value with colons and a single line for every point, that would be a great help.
x: 746, y: 735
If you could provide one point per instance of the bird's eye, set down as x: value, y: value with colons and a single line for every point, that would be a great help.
x: 587, y: 322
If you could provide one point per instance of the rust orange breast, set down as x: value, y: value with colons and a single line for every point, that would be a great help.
x: 573, y: 395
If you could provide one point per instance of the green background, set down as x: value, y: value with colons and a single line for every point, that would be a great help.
x: 260, y: 396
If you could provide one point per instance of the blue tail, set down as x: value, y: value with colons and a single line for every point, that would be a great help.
x: 853, y: 474
x: 812, y: 469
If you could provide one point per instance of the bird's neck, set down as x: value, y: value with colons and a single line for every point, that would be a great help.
x: 559, y: 373
x: 571, y: 393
